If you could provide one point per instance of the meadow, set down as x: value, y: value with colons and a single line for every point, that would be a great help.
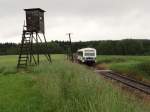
x: 137, y: 67
x: 61, y: 87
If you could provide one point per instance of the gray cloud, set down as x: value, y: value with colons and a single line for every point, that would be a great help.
x: 88, y: 19
x: 85, y: 7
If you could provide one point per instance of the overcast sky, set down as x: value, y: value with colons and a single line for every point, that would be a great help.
x: 86, y: 19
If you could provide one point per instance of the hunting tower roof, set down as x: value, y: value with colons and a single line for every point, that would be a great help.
x: 33, y: 9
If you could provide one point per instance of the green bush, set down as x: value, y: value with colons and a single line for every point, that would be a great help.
x: 111, y: 60
x: 144, y: 67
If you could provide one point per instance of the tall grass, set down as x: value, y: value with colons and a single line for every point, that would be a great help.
x: 62, y: 87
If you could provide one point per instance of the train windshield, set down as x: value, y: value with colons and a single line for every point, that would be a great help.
x: 89, y: 53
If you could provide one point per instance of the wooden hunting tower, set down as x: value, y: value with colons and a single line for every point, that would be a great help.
x: 33, y: 39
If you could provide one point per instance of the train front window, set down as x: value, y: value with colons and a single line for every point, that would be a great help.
x: 89, y: 54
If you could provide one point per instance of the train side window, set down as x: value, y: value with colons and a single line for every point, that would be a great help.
x: 80, y: 53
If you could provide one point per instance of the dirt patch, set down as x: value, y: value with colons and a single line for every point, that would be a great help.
x: 101, y: 66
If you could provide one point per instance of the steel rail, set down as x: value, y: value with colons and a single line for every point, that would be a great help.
x: 126, y: 80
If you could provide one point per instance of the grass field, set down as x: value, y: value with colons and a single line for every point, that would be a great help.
x: 60, y: 87
x: 134, y: 66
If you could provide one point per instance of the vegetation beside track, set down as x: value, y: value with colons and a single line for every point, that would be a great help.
x: 134, y: 66
x: 60, y: 87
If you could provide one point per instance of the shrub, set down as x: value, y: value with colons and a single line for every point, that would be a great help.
x: 144, y: 67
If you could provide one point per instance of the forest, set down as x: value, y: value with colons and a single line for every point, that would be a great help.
x: 104, y: 47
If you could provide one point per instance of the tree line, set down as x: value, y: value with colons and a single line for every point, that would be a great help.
x: 106, y: 47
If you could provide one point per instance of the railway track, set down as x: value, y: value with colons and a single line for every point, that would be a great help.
x: 125, y: 80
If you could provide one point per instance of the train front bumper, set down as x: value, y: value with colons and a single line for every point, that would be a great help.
x: 90, y: 59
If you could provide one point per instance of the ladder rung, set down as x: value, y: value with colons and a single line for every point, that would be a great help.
x: 23, y: 57
x: 23, y: 60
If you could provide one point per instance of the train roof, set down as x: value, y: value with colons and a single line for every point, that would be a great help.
x: 83, y: 49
